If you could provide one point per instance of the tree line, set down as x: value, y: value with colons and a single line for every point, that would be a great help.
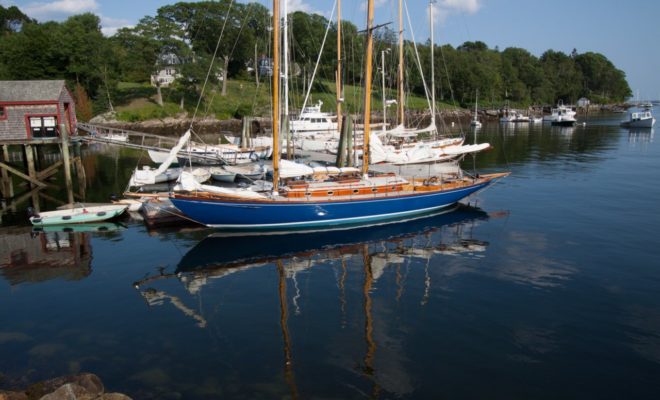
x: 77, y: 51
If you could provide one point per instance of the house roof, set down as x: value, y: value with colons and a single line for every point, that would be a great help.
x: 30, y: 90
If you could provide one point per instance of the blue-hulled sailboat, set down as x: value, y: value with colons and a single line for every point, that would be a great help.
x: 339, y: 200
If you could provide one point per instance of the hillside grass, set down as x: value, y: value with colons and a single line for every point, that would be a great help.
x: 136, y: 102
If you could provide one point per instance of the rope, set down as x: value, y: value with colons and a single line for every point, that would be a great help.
x: 419, y: 62
x: 173, y: 213
x: 318, y: 60
x: 208, y: 73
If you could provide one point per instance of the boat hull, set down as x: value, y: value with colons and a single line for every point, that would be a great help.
x: 78, y: 215
x: 295, y: 215
x: 564, y: 122
x: 644, y: 123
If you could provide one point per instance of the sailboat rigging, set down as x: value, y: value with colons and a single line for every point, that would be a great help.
x: 344, y: 200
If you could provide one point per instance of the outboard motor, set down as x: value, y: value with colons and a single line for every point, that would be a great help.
x: 31, y: 213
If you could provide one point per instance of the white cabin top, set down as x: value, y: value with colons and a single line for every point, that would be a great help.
x: 638, y: 116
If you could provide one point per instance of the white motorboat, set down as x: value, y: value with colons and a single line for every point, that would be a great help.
x: 641, y: 119
x: 312, y: 119
x: 564, y: 120
x: 514, y: 117
x: 560, y: 113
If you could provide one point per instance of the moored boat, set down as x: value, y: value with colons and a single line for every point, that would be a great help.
x: 330, y: 204
x: 250, y: 172
x: 220, y: 174
x: 564, y: 120
x: 338, y: 202
x: 560, y: 114
x: 78, y: 215
x: 642, y: 119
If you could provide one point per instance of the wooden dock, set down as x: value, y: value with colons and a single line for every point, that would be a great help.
x: 141, y: 141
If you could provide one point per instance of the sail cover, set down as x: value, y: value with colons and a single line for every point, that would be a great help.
x: 173, y: 153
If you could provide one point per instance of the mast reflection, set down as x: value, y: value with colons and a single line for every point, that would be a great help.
x: 367, y: 252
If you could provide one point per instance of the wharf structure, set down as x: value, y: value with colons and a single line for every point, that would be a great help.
x: 34, y: 114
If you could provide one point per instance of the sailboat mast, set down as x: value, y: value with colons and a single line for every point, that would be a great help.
x: 400, y: 99
x: 431, y: 2
x: 285, y: 82
x: 285, y: 41
x: 476, y: 101
x: 382, y: 70
x: 338, y: 78
x: 276, y: 94
x: 367, y: 87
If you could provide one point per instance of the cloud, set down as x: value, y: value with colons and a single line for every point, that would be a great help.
x: 110, y: 26
x: 443, y: 8
x: 59, y: 8
x: 298, y: 5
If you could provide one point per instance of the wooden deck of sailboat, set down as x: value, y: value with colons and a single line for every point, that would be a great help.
x: 343, y: 190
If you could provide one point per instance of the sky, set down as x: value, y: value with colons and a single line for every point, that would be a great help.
x: 625, y: 32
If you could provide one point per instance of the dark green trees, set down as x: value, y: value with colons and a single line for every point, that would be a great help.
x: 77, y: 51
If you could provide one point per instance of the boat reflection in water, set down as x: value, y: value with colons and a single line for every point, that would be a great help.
x: 218, y: 251
x: 363, y: 254
x: 640, y: 135
x: 218, y: 256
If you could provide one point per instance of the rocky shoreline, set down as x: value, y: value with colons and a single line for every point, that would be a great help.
x: 83, y: 386
x: 174, y: 126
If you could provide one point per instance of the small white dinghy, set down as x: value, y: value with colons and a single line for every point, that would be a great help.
x: 201, y: 174
x: 250, y: 172
x: 78, y: 215
x: 222, y: 175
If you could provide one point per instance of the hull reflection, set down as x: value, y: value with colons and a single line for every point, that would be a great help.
x: 236, y: 251
x: 363, y: 253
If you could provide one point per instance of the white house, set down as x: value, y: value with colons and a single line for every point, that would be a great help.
x: 168, y: 70
x: 165, y: 76
x: 583, y: 102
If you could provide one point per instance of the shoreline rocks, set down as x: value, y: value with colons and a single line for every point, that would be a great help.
x: 85, y: 386
x: 174, y: 126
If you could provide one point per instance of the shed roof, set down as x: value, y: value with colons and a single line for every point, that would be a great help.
x: 30, y: 90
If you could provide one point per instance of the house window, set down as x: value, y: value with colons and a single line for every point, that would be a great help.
x: 45, y: 126
x: 3, y: 112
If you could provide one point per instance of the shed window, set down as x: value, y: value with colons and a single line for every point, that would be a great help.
x: 3, y: 112
x: 44, y: 126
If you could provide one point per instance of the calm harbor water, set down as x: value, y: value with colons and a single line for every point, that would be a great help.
x: 546, y: 286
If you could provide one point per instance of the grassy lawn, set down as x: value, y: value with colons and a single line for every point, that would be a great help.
x: 136, y: 102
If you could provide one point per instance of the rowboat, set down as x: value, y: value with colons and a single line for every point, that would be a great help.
x: 78, y: 215
x: 222, y: 175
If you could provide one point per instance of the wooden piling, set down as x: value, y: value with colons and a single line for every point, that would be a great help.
x: 7, y: 182
x: 64, y: 134
x: 29, y: 161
